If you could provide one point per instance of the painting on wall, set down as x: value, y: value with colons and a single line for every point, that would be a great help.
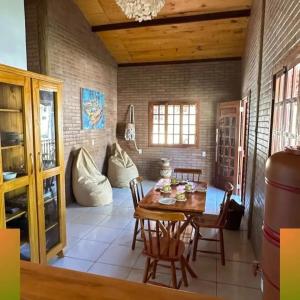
x: 92, y: 109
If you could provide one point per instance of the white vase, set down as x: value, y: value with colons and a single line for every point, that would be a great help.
x: 166, y: 170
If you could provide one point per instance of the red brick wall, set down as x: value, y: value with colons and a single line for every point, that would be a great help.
x: 77, y: 56
x: 207, y: 82
x: 281, y: 34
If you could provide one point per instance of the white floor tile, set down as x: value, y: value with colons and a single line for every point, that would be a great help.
x: 88, y: 218
x: 103, y: 234
x: 237, y: 273
x: 88, y: 250
x: 117, y: 222
x: 72, y: 264
x: 110, y: 270
x: 78, y: 230
x: 202, y: 287
x: 120, y: 255
x: 232, y: 292
x: 205, y: 268
x: 137, y: 276
x: 125, y: 239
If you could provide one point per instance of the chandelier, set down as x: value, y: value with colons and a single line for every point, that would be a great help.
x: 141, y: 10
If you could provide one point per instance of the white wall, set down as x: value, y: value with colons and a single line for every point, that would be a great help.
x: 12, y: 33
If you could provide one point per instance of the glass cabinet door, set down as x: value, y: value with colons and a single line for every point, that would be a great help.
x: 17, y: 196
x: 49, y: 168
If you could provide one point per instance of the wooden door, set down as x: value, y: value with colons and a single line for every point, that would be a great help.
x: 17, y: 196
x: 49, y: 167
x: 229, y: 145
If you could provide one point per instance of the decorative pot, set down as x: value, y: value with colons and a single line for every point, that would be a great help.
x: 166, y: 170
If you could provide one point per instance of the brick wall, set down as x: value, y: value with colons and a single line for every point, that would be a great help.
x: 76, y: 55
x: 281, y: 35
x: 207, y: 82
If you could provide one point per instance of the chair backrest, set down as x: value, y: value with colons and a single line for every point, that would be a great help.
x: 188, y: 174
x: 161, y: 232
x: 137, y: 191
x: 225, y: 204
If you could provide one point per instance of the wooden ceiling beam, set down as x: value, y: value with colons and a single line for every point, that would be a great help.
x: 174, y: 20
x: 175, y: 62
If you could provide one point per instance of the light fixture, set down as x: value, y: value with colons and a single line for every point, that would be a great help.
x: 141, y: 10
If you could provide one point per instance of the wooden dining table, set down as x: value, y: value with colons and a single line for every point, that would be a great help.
x: 193, y: 205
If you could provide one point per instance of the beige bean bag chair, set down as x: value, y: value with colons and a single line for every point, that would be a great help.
x: 121, y: 169
x: 90, y: 187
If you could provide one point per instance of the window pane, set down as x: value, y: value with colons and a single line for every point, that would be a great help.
x: 192, y: 129
x: 296, y: 80
x: 192, y: 109
x: 288, y: 93
x: 155, y: 109
x: 185, y: 139
x: 155, y: 128
x: 155, y: 119
x: 185, y: 129
x: 170, y: 129
x: 162, y: 109
x: 294, y: 119
x: 185, y: 119
x: 171, y: 109
x: 176, y: 139
x: 185, y: 109
x: 287, y: 117
x: 192, y: 139
x: 177, y: 119
x: 277, y: 89
x: 161, y: 139
x: 177, y: 109
x: 170, y: 139
x: 170, y: 119
x: 176, y: 129
x: 162, y: 119
x: 155, y: 138
x: 281, y: 87
x: 161, y: 128
x: 192, y: 119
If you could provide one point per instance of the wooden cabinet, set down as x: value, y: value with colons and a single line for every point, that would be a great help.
x: 32, y: 150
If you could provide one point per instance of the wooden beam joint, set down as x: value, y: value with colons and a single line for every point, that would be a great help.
x: 174, y: 20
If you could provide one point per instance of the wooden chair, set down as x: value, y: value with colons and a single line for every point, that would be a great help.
x: 188, y: 174
x: 214, y: 222
x: 164, y: 244
x: 137, y: 193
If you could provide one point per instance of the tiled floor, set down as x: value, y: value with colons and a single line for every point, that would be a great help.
x: 99, y: 241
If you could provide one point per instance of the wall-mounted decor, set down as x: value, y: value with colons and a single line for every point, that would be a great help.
x: 92, y: 109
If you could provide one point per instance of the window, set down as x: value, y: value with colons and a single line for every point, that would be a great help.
x: 173, y: 124
x: 285, y: 120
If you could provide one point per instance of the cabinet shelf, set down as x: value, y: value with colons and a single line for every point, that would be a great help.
x: 12, y: 147
x: 51, y: 227
x: 48, y: 200
x: 8, y: 110
x: 10, y: 217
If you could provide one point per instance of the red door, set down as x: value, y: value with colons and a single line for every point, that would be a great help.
x: 230, y: 144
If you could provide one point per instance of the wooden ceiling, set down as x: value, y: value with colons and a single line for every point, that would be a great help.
x: 184, y: 30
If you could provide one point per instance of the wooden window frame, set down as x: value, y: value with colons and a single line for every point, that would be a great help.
x: 291, y: 61
x: 166, y: 103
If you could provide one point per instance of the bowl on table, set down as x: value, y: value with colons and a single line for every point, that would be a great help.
x: 9, y: 176
x: 166, y: 189
x: 188, y: 188
x: 180, y: 197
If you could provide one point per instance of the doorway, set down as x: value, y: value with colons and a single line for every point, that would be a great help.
x: 230, y: 144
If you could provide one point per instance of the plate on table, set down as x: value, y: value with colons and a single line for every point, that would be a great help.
x: 167, y: 201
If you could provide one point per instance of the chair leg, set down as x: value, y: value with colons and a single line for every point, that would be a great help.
x: 135, y: 233
x: 154, y: 269
x: 184, y: 277
x: 196, y: 239
x: 147, y: 267
x: 189, y: 268
x: 222, y: 246
x: 174, y: 277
